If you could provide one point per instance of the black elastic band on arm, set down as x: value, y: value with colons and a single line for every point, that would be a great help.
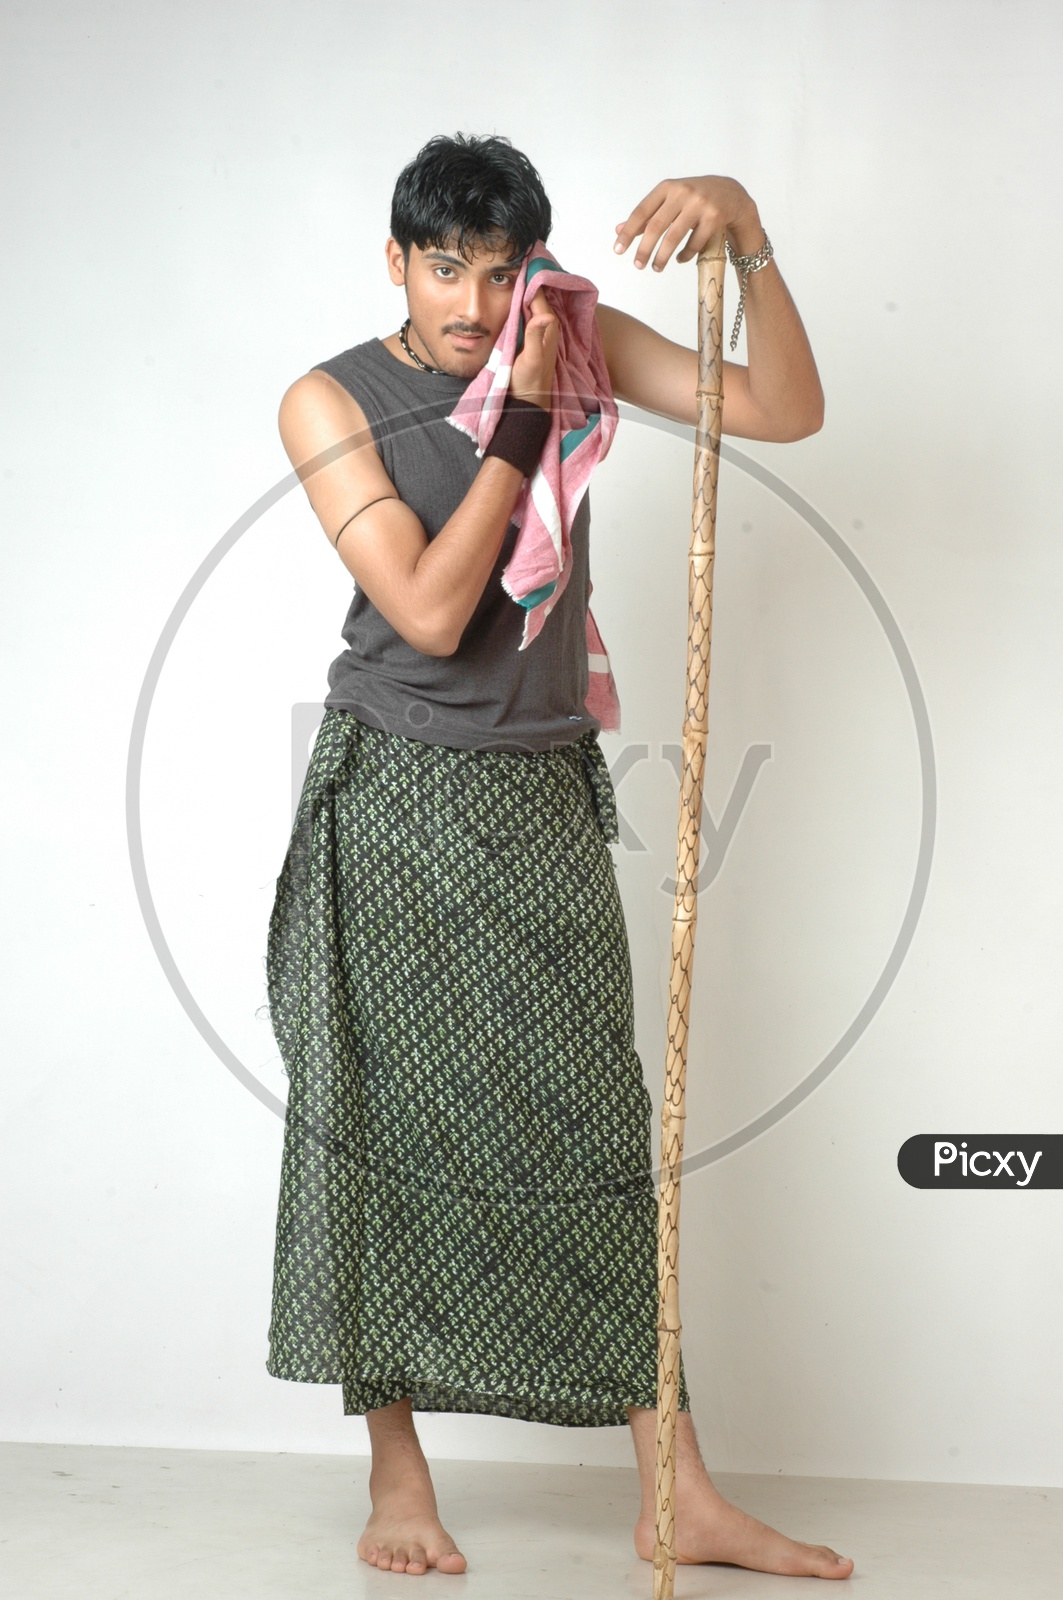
x: 350, y: 519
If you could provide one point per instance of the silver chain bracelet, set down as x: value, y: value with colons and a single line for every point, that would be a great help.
x: 744, y: 265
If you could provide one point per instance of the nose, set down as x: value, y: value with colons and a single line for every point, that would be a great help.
x: 469, y: 310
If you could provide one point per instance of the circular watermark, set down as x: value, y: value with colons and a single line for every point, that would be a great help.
x: 818, y: 524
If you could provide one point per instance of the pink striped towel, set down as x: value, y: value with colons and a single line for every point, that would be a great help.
x: 583, y: 421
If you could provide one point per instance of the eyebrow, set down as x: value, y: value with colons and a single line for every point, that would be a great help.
x: 456, y: 261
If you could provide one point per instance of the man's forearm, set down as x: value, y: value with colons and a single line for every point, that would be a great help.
x: 783, y: 382
x: 452, y: 573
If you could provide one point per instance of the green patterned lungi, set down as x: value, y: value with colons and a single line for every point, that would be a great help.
x: 467, y: 1214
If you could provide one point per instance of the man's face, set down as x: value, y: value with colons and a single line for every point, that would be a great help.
x: 449, y: 297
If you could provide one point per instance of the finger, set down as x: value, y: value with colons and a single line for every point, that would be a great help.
x: 626, y: 231
x: 699, y: 238
x: 539, y: 345
x: 662, y: 218
x: 672, y: 236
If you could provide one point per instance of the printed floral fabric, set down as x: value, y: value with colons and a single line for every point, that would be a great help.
x: 467, y: 1213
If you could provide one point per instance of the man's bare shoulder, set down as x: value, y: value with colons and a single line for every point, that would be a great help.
x: 317, y: 396
x: 316, y: 413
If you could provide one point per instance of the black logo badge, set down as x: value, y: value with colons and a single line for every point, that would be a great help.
x: 982, y: 1161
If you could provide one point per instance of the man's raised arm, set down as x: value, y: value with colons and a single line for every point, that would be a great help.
x: 427, y: 589
x: 778, y: 395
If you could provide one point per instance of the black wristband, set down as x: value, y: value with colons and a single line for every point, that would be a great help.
x: 520, y: 434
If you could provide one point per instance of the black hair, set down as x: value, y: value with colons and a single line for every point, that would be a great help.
x: 475, y: 190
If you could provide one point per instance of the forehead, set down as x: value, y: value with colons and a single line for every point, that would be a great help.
x: 478, y: 258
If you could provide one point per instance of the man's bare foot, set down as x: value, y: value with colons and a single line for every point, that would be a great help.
x: 404, y: 1534
x: 712, y: 1529
x: 708, y: 1527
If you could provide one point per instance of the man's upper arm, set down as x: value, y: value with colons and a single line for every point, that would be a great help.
x: 330, y: 444
x: 659, y: 375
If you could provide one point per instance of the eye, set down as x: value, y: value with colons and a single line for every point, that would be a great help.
x: 508, y: 278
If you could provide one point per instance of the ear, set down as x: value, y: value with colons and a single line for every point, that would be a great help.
x: 396, y: 261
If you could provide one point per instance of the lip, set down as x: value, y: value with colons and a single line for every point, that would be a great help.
x: 467, y: 339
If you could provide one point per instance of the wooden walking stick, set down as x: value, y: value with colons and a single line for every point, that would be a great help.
x: 684, y: 923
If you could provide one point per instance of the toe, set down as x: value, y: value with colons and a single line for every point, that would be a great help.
x: 836, y: 1561
x: 398, y: 1560
x: 418, y: 1557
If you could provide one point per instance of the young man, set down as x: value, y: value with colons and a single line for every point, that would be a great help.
x: 449, y: 971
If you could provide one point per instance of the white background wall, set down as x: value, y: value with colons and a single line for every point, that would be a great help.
x: 197, y: 199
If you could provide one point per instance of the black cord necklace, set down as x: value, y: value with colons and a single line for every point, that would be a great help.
x: 415, y: 357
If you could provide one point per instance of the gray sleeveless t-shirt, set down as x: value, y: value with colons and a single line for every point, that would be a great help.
x: 488, y: 695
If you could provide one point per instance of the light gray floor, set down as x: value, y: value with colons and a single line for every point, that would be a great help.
x: 134, y: 1524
